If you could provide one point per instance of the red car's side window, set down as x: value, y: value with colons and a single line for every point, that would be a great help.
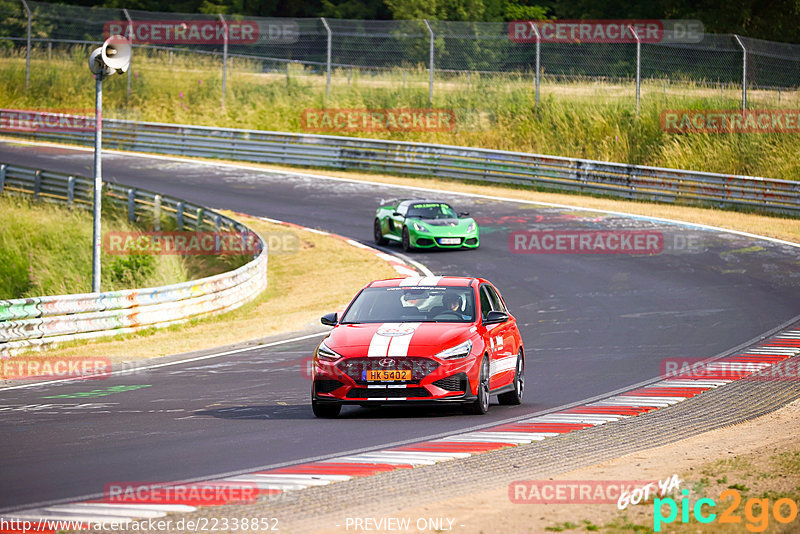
x: 497, y: 301
x: 486, y: 305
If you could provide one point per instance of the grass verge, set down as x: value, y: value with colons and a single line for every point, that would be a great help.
x: 297, y: 295
x: 582, y: 119
x: 45, y: 249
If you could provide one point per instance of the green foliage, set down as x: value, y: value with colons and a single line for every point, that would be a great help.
x: 581, y: 119
x: 517, y: 11
x: 778, y: 20
x: 45, y: 249
x: 133, y: 271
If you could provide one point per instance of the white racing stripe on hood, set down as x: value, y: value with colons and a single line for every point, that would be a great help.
x: 392, y: 339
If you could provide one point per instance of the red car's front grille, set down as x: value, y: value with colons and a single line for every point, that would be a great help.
x: 356, y: 367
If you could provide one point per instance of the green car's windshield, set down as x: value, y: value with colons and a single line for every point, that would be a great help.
x: 433, y: 210
x: 412, y: 305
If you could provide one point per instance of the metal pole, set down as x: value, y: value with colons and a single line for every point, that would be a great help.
x: 224, y: 55
x: 638, y: 65
x: 538, y: 39
x: 98, y: 182
x: 430, y: 83
x: 28, y: 53
x: 328, y: 81
x: 130, y: 36
x: 744, y: 73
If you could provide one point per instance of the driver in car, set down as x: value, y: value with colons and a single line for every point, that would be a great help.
x: 452, y: 305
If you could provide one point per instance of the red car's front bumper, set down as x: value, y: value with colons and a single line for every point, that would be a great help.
x: 432, y: 380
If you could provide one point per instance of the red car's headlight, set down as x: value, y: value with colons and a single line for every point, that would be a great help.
x: 459, y: 351
x: 327, y: 354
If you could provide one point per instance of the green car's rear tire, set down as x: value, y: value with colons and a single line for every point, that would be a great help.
x: 377, y: 233
x: 406, y: 240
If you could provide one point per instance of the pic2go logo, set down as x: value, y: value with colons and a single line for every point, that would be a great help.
x: 756, y: 511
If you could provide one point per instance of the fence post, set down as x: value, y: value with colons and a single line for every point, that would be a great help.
x: 28, y: 53
x: 744, y: 73
x: 638, y: 65
x: 71, y: 191
x: 430, y: 83
x: 224, y: 55
x: 37, y: 183
x: 130, y: 36
x: 538, y: 39
x: 157, y: 213
x: 131, y: 205
x: 328, y: 81
x: 3, y: 168
x: 179, y: 215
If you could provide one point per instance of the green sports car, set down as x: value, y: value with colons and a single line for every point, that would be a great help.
x: 424, y: 224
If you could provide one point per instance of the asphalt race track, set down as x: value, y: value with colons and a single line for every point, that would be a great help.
x: 592, y: 323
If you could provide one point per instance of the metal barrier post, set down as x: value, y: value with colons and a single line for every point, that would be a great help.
x: 328, y: 81
x: 71, y: 191
x: 430, y: 83
x: 744, y: 73
x: 131, y: 205
x: 224, y: 55
x: 157, y: 213
x: 538, y: 69
x: 179, y: 216
x: 638, y: 65
x: 28, y: 52
x: 37, y: 183
x: 2, y: 177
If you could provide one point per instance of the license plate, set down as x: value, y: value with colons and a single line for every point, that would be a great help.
x: 389, y: 375
x: 450, y: 241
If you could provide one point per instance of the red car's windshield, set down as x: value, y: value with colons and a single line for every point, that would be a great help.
x: 412, y: 304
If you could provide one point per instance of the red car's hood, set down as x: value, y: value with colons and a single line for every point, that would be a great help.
x: 397, y: 339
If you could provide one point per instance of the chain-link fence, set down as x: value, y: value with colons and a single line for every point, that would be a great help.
x: 434, y: 53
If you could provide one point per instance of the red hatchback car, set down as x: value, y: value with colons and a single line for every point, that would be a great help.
x: 420, y: 340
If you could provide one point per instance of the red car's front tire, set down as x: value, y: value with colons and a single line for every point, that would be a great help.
x: 481, y: 404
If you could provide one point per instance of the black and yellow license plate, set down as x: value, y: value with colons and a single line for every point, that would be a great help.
x: 388, y: 375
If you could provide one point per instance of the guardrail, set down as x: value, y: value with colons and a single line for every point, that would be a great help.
x: 349, y: 153
x: 31, y: 323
